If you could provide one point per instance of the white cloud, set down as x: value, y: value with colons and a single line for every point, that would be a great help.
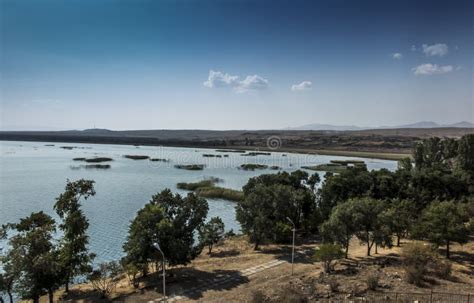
x: 413, y: 48
x: 431, y: 69
x: 218, y: 79
x: 397, y: 56
x: 305, y: 85
x: 439, y: 49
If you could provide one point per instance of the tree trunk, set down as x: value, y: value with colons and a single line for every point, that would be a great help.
x: 398, y: 240
x: 347, y: 250
x: 447, y: 250
x: 376, y: 250
x: 10, y: 296
x: 210, y: 249
x: 368, y: 243
x: 36, y: 299
x: 51, y: 296
x: 256, y: 245
x: 1, y: 300
x: 66, y: 286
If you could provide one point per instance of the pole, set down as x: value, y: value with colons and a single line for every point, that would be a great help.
x: 293, y: 246
x: 293, y: 252
x: 164, y: 277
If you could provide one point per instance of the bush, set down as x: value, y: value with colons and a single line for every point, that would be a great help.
x: 257, y: 297
x: 416, y: 258
x: 283, y: 233
x: 106, y: 277
x: 292, y: 296
x: 442, y: 269
x: 372, y: 281
x: 333, y: 285
x: 327, y: 253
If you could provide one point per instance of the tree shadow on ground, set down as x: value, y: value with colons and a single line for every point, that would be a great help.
x: 83, y: 295
x: 190, y: 282
x: 225, y: 253
x: 303, y: 255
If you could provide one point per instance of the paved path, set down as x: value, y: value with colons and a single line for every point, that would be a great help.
x: 206, y: 284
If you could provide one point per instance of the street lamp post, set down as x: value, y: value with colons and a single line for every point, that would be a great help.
x: 293, y: 248
x: 157, y: 246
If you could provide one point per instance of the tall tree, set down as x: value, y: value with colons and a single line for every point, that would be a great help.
x: 399, y: 217
x: 34, y: 258
x: 443, y: 223
x: 211, y: 233
x: 74, y: 255
x: 341, y: 226
x: 366, y: 213
x: 170, y: 220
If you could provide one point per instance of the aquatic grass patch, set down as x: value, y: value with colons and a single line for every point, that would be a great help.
x: 136, y: 157
x: 91, y: 166
x: 207, y: 189
x: 337, y: 166
x: 94, y: 160
x: 211, y: 156
x: 160, y: 160
x: 230, y: 151
x: 190, y: 166
x: 251, y: 166
x: 254, y: 154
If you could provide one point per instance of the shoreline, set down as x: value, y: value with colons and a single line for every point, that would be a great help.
x: 392, y: 155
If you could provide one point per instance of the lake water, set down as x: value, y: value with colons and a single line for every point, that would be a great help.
x: 33, y: 174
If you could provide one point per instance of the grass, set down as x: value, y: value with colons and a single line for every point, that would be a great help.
x: 160, y: 160
x: 216, y: 192
x: 336, y: 166
x: 190, y: 166
x: 250, y: 166
x: 230, y: 151
x: 211, y: 156
x: 253, y: 154
x: 137, y: 157
x: 207, y: 189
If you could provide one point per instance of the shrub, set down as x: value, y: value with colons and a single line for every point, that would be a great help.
x: 333, y: 285
x: 283, y: 233
x: 106, y: 277
x: 290, y: 295
x: 257, y: 297
x: 442, y: 269
x: 372, y: 281
x: 137, y: 157
x: 416, y: 258
x: 327, y: 253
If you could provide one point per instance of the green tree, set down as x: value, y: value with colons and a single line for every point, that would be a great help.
x: 370, y: 228
x: 465, y: 153
x: 443, y: 223
x: 328, y: 253
x: 399, y: 217
x: 340, y: 227
x: 211, y: 233
x: 74, y: 255
x: 106, y: 277
x: 270, y: 199
x: 33, y: 258
x: 170, y: 220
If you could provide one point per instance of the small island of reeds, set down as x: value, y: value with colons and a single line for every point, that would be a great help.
x: 190, y: 166
x: 159, y: 160
x: 208, y: 189
x: 251, y: 166
x: 211, y: 156
x: 94, y: 160
x: 253, y: 154
x: 136, y: 157
x: 336, y: 166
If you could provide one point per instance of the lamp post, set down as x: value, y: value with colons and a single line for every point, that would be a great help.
x: 293, y: 248
x: 157, y: 246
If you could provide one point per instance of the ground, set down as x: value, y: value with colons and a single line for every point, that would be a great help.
x: 274, y: 284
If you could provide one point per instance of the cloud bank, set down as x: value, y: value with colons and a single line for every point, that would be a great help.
x: 305, y: 85
x: 439, y: 49
x: 431, y: 69
x: 397, y: 56
x: 217, y: 79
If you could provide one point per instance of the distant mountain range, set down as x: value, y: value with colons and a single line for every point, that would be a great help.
x: 422, y: 124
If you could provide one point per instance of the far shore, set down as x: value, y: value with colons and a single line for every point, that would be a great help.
x: 394, y: 156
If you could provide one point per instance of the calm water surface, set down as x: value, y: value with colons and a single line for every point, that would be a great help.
x: 33, y: 174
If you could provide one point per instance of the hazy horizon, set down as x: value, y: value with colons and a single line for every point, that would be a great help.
x: 224, y: 65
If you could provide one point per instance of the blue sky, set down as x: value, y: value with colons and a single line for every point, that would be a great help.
x: 234, y: 64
